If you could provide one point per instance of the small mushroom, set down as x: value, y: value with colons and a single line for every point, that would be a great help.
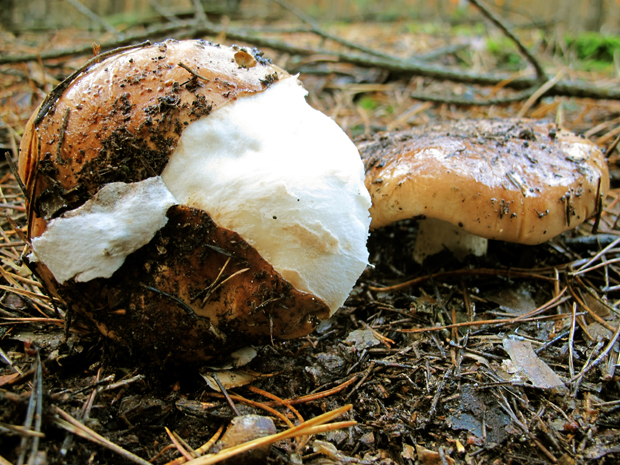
x: 513, y: 180
x: 186, y: 199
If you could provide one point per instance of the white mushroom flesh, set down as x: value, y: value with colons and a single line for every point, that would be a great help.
x: 93, y: 240
x: 287, y: 179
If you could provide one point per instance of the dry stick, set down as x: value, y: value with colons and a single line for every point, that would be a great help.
x: 30, y: 412
x: 599, y: 211
x: 24, y: 292
x: 540, y: 92
x: 162, y: 11
x: 518, y: 97
x: 571, y: 342
x: 84, y: 413
x: 6, y: 275
x: 275, y: 398
x: 252, y: 403
x: 598, y: 360
x: 602, y: 252
x: 55, y: 94
x: 9, y: 362
x: 312, y: 426
x: 540, y: 72
x: 612, y: 147
x: 15, y: 173
x: 71, y: 424
x: 596, y: 297
x: 600, y: 265
x: 464, y: 272
x: 16, y: 321
x: 192, y: 72
x: 545, y: 451
x: 315, y: 396
x: 179, y: 446
x: 438, y: 393
x: 38, y: 393
x: 225, y: 392
x: 557, y: 300
x: 199, y: 13
x: 295, y: 412
x: 93, y: 16
x: 316, y: 29
x: 406, y: 67
x: 184, y: 443
x: 357, y: 386
x: 202, y: 449
x: 592, y: 313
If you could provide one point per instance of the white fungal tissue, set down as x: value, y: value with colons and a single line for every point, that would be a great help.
x: 93, y: 240
x: 287, y: 179
x: 267, y: 166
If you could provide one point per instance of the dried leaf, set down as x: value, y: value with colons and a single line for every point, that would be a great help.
x: 361, y: 339
x: 408, y: 452
x: 516, y: 300
x: 6, y: 379
x: 537, y: 371
x: 429, y: 457
x: 229, y: 379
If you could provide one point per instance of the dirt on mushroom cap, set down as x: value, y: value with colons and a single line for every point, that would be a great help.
x: 120, y: 119
x: 515, y: 180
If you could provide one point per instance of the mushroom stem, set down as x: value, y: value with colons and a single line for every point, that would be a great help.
x: 436, y: 235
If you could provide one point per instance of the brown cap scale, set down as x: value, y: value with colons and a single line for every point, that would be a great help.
x: 512, y: 180
x: 186, y: 287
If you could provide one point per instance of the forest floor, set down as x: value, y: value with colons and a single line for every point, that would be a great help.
x: 423, y: 389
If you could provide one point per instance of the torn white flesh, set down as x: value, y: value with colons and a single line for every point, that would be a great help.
x: 93, y: 240
x: 268, y: 166
x: 437, y: 235
x: 287, y: 179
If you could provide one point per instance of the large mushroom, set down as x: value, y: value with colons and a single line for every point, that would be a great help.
x: 185, y: 198
x: 514, y: 180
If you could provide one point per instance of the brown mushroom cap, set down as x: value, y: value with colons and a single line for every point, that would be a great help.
x: 196, y: 289
x: 513, y: 180
x: 120, y: 120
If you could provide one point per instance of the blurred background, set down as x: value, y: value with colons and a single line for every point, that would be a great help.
x: 571, y: 16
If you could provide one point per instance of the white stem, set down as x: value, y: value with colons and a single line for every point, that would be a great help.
x: 437, y: 235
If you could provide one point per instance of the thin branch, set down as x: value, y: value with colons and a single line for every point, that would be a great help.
x: 540, y: 92
x: 517, y: 97
x: 598, y: 360
x: 540, y: 72
x: 612, y: 147
x: 199, y: 12
x: 507, y: 321
x: 463, y: 272
x: 93, y: 16
x: 70, y: 424
x: 54, y: 95
x: 392, y: 64
x: 162, y: 11
x: 316, y: 29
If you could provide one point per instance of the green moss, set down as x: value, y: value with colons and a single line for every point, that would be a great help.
x: 504, y: 51
x: 368, y: 103
x: 595, y: 47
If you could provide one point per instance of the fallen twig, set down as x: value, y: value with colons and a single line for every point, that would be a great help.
x: 314, y: 426
x: 392, y: 64
x: 540, y: 72
x: 70, y: 424
x: 464, y: 272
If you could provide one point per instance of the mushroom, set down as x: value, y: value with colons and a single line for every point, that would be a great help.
x: 513, y: 180
x: 185, y: 198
